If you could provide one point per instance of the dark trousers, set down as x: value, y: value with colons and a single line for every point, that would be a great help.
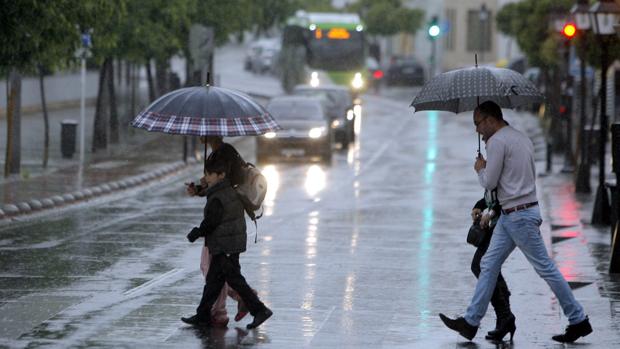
x: 501, y: 295
x: 226, y: 268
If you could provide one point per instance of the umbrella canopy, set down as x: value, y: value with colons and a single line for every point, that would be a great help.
x: 206, y: 111
x: 464, y: 89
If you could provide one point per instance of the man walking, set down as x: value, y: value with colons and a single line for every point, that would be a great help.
x: 510, y: 168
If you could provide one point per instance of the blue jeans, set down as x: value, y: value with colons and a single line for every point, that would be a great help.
x: 520, y: 229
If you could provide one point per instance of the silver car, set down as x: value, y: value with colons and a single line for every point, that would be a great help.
x: 305, y: 130
x: 338, y: 104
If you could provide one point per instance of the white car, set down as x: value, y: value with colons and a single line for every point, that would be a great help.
x: 262, y: 55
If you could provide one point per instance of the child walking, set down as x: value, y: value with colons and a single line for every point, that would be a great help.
x: 224, y: 230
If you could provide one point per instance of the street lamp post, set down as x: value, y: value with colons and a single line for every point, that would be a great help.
x: 563, y: 26
x: 483, y: 16
x: 434, y: 30
x: 603, y: 16
x: 582, y: 20
x: 86, y: 44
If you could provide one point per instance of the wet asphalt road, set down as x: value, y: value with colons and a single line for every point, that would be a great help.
x: 360, y: 253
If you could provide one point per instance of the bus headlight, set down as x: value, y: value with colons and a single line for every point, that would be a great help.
x: 270, y: 135
x: 357, y: 82
x: 316, y: 132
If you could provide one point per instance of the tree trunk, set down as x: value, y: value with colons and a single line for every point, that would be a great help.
x: 149, y: 78
x: 119, y: 69
x: 114, y: 137
x: 46, y: 121
x: 13, y: 128
x: 161, y: 75
x: 189, y: 65
x: 100, y: 132
x: 134, y: 74
x: 128, y: 73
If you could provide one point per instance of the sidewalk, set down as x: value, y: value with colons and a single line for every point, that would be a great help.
x: 140, y: 156
x: 121, y: 167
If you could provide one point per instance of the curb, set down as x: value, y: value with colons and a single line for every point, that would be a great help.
x: 35, y: 205
x: 10, y: 210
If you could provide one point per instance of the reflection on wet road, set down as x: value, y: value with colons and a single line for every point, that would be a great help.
x: 361, y: 253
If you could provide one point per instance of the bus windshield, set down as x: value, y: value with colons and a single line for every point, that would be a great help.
x: 344, y: 50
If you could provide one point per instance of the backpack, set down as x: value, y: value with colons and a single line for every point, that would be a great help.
x: 253, y: 189
x: 252, y: 192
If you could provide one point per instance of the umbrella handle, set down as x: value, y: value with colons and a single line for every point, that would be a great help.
x: 204, y: 167
x: 478, y: 143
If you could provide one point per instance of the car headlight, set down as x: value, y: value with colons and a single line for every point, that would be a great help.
x: 350, y: 114
x: 335, y: 123
x: 270, y: 135
x: 315, y: 132
x: 357, y: 82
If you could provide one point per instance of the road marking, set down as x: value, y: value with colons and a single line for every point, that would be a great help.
x: 331, y: 310
x: 152, y: 282
x: 385, y: 146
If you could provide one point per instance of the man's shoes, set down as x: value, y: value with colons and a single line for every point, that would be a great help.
x: 460, y: 325
x: 259, y: 318
x: 196, y: 321
x: 575, y: 331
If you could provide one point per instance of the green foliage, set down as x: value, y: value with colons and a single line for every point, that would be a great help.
x: 267, y: 13
x: 388, y: 17
x: 409, y: 20
x: 34, y: 32
x: 529, y: 22
x: 154, y: 28
x: 225, y: 17
x: 315, y: 5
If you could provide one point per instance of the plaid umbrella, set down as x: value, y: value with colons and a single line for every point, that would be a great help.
x: 206, y: 111
x: 463, y: 89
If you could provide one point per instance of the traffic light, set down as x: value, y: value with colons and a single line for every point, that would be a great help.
x: 569, y: 30
x: 566, y: 106
x: 433, y: 28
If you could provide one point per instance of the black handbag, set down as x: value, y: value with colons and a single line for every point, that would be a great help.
x: 476, y: 234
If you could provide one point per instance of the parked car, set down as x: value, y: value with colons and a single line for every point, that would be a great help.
x: 338, y: 105
x: 404, y: 70
x: 375, y: 73
x: 262, y: 56
x: 305, y: 129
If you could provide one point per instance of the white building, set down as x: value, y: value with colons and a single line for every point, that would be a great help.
x: 468, y: 27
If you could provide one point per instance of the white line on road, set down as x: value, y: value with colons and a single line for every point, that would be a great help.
x: 152, y: 282
x: 385, y: 146
x: 331, y: 310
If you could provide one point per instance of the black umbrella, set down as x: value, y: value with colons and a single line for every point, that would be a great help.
x: 464, y: 89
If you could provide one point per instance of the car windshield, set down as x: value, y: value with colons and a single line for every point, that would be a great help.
x: 332, y: 97
x: 295, y: 110
x: 405, y: 61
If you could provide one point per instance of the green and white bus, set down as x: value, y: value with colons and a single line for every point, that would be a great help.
x: 334, y: 42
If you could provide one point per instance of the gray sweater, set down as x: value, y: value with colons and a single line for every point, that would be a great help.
x: 510, y: 167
